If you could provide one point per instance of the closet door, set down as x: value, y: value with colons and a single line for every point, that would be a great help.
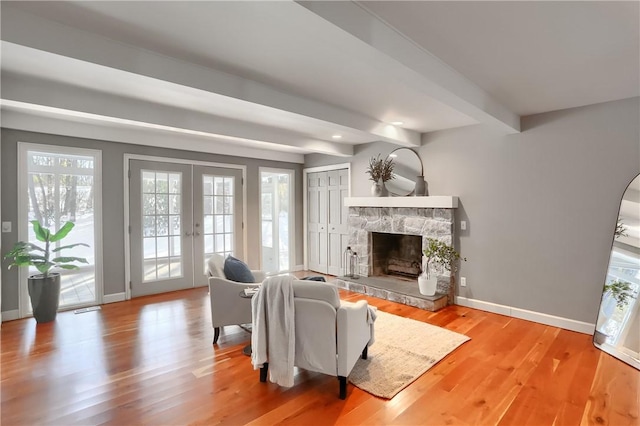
x: 337, y: 190
x: 317, y: 221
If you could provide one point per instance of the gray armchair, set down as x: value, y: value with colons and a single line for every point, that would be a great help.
x: 227, y: 307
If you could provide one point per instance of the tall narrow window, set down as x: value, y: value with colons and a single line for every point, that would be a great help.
x: 62, y: 184
x: 276, y: 215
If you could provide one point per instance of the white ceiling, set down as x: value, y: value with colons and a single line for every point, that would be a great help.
x: 284, y: 76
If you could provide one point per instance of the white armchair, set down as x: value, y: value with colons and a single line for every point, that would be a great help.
x: 227, y: 307
x: 330, y: 334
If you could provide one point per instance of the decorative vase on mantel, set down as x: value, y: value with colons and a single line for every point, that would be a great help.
x: 378, y: 189
x: 421, y: 187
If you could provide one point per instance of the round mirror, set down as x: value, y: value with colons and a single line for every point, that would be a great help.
x: 407, y: 168
x: 618, y: 326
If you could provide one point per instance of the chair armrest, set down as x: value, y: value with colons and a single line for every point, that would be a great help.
x: 353, y: 332
x: 258, y: 276
x: 217, y: 284
x: 227, y: 307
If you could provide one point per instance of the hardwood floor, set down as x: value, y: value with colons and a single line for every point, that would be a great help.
x: 150, y: 361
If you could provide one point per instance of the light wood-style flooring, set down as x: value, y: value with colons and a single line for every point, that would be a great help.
x: 150, y: 361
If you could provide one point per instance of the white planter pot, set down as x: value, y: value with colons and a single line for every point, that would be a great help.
x: 427, y: 286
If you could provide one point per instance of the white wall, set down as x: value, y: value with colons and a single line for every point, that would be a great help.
x: 541, y: 205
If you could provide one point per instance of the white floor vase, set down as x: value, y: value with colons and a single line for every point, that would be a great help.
x: 427, y: 286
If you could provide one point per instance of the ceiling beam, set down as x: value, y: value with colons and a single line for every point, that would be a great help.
x: 104, y: 108
x: 34, y: 118
x: 24, y: 29
x: 414, y: 63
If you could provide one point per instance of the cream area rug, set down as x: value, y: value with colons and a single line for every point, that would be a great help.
x: 403, y: 350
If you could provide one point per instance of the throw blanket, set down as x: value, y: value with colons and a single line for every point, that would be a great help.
x: 371, y: 318
x: 273, y: 334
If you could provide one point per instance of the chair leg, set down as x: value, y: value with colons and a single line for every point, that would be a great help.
x: 216, y: 334
x: 263, y: 372
x: 365, y: 352
x: 343, y: 387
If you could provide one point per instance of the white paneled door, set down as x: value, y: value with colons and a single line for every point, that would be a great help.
x: 179, y: 215
x: 317, y: 247
x: 327, y: 233
x: 337, y: 214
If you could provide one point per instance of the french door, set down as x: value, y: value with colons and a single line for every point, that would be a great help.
x: 180, y: 214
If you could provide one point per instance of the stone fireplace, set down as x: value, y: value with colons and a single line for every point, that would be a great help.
x: 389, y: 241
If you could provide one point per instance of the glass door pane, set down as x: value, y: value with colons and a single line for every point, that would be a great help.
x: 276, y: 219
x: 162, y: 222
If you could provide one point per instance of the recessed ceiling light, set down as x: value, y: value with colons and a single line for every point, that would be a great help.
x: 397, y: 123
x: 337, y: 136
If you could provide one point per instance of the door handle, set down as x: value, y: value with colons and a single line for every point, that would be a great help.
x: 187, y: 234
x: 196, y: 233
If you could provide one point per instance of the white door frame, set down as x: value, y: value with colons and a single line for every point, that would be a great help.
x: 305, y: 172
x: 23, y: 209
x: 127, y: 245
x: 292, y: 213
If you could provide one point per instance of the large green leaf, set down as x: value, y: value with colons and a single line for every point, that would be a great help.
x: 42, y: 234
x: 43, y: 267
x: 21, y: 261
x: 62, y: 232
x: 22, y: 248
x: 69, y: 266
x: 69, y: 246
x: 33, y: 247
x: 69, y: 259
x: 36, y: 257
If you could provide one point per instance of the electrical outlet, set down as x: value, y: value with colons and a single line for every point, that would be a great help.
x: 463, y: 282
x: 6, y: 226
x: 463, y: 225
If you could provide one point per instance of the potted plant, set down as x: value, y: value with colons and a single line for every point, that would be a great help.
x: 621, y: 229
x: 619, y: 291
x: 380, y: 170
x: 436, y: 254
x: 44, y: 288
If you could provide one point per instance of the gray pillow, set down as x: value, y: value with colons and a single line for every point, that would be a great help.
x: 237, y: 270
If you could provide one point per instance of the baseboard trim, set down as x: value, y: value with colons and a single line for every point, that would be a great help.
x: 10, y: 315
x: 112, y: 298
x: 546, y: 319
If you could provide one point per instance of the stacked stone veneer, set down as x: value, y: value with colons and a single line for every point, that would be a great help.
x: 427, y: 223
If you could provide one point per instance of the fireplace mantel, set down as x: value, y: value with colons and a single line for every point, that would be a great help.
x: 430, y: 202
